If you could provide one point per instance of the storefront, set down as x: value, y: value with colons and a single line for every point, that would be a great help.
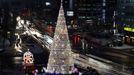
x: 128, y: 37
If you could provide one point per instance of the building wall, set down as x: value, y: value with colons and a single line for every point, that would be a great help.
x: 95, y: 12
x: 125, y: 18
x: 125, y: 11
x: 69, y: 11
x: 88, y: 11
x: 110, y: 8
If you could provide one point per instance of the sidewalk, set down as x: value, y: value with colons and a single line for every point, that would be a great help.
x: 124, y: 47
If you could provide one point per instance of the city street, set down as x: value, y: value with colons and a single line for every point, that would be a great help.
x: 66, y: 37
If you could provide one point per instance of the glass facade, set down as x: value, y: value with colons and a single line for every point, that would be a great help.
x: 125, y: 11
x: 125, y: 19
x: 95, y: 12
x: 88, y: 11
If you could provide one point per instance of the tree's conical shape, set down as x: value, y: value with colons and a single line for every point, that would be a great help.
x: 60, y: 58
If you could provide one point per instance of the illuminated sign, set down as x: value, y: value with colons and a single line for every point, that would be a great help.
x: 28, y: 58
x: 129, y: 29
x: 70, y: 13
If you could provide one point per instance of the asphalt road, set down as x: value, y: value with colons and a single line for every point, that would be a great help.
x: 11, y: 64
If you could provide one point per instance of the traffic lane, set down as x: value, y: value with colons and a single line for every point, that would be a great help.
x: 102, y: 67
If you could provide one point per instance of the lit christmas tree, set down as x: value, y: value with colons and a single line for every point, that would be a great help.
x: 60, y: 59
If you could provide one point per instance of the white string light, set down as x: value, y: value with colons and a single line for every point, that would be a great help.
x: 60, y: 54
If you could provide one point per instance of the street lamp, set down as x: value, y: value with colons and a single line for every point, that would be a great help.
x: 48, y: 3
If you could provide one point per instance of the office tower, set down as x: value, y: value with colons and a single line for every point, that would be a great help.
x: 125, y: 19
x: 94, y: 12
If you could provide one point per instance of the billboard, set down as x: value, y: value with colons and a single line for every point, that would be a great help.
x: 70, y: 13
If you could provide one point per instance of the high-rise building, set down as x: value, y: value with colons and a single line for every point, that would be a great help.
x: 69, y: 12
x: 125, y: 11
x: 88, y: 11
x: 94, y: 12
x: 110, y: 7
x: 125, y: 19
